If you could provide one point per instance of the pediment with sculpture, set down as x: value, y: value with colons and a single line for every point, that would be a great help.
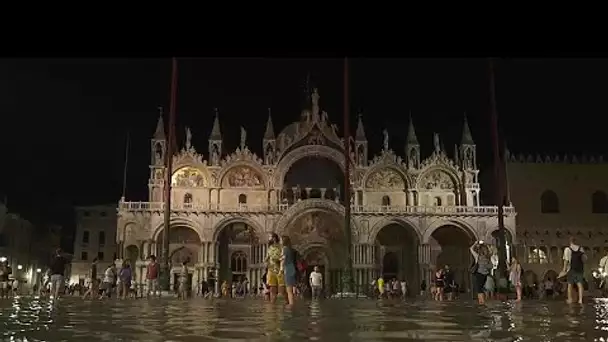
x: 385, y: 179
x: 243, y: 176
x: 437, y: 179
x: 188, y: 176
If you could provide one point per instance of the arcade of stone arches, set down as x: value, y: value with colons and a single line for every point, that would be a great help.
x: 395, y: 250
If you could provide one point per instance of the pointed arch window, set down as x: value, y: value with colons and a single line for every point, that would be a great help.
x: 549, y: 202
x: 599, y: 202
x: 386, y: 201
x: 188, y: 200
x: 238, y: 263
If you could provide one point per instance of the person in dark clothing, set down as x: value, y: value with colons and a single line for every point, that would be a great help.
x: 574, y: 267
x: 5, y: 272
x: 57, y: 273
x: 94, y: 284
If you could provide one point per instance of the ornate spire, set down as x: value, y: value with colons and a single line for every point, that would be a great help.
x: 216, y: 133
x: 412, y: 139
x: 159, y: 134
x: 269, y: 134
x: 360, y: 134
x: 307, y: 92
x: 467, y: 138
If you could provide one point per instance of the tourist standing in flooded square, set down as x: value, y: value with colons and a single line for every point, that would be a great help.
x: 481, y: 269
x: 288, y: 267
x: 574, y: 267
x: 152, y: 271
x: 274, y: 276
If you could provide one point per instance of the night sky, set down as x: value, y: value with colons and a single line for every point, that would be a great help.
x: 64, y: 122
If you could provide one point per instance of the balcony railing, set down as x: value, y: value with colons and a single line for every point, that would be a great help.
x: 358, y: 209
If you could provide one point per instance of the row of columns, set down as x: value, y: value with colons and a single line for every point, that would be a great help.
x: 367, y: 264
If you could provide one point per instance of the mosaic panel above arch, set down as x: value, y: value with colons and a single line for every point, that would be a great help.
x: 385, y: 179
x: 243, y: 176
x: 437, y: 179
x: 188, y: 176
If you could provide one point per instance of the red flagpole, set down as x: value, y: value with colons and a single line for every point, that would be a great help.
x: 498, y: 179
x: 168, y: 173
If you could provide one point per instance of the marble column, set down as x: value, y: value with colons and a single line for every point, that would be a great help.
x: 217, y: 281
x: 424, y: 260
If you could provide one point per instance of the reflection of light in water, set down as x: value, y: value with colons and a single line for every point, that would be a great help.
x: 314, y: 320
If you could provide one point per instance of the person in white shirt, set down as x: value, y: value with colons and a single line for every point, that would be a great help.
x: 574, y: 262
x: 316, y: 282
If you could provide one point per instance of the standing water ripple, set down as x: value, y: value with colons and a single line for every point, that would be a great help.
x: 34, y: 319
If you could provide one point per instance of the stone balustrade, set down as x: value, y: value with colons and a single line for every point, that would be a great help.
x: 356, y: 209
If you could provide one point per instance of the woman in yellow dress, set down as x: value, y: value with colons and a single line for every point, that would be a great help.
x: 274, y: 276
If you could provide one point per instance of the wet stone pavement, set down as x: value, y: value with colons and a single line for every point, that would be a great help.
x: 30, y: 319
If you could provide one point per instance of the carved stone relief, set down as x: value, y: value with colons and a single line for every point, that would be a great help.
x: 242, y: 177
x: 182, y: 255
x: 385, y: 179
x: 188, y: 177
x: 314, y: 225
x: 437, y: 180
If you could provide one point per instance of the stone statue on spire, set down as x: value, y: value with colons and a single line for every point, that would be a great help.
x: 385, y: 133
x: 436, y: 142
x: 188, y: 138
x: 315, y: 105
x: 243, y: 137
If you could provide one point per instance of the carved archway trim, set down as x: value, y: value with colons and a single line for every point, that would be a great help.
x: 463, y: 226
x: 451, y: 173
x: 296, y: 154
x: 219, y: 227
x: 122, y: 234
x: 256, y: 167
x: 178, y: 221
x: 405, y: 223
x: 309, y: 205
x: 391, y: 167
x: 307, y: 248
x: 510, y: 231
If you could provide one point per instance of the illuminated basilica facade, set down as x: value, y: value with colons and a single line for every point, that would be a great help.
x: 409, y: 214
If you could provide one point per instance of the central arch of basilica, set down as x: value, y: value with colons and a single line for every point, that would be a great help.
x: 409, y: 215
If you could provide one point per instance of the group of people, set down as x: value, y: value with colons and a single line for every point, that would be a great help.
x: 484, y: 284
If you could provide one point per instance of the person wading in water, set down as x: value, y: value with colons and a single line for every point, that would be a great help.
x: 481, y: 269
x: 274, y: 276
x: 574, y: 267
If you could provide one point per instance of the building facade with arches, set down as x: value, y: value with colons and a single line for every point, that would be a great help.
x: 558, y: 197
x: 410, y: 213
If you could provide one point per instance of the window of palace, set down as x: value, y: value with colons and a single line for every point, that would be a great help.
x: 85, y: 237
x: 242, y: 199
x: 84, y: 256
x: 549, y: 202
x: 537, y: 256
x: 386, y: 201
x: 599, y: 203
x: 238, y: 263
x: 437, y: 201
x: 102, y: 239
x: 188, y: 198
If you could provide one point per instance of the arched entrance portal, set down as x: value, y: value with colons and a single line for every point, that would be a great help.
x: 318, y: 235
x: 313, y: 177
x: 450, y: 246
x: 235, y: 251
x: 316, y: 256
x: 184, y: 246
x: 132, y: 254
x: 397, y: 253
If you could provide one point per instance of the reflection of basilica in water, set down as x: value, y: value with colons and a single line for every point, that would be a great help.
x: 409, y: 214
